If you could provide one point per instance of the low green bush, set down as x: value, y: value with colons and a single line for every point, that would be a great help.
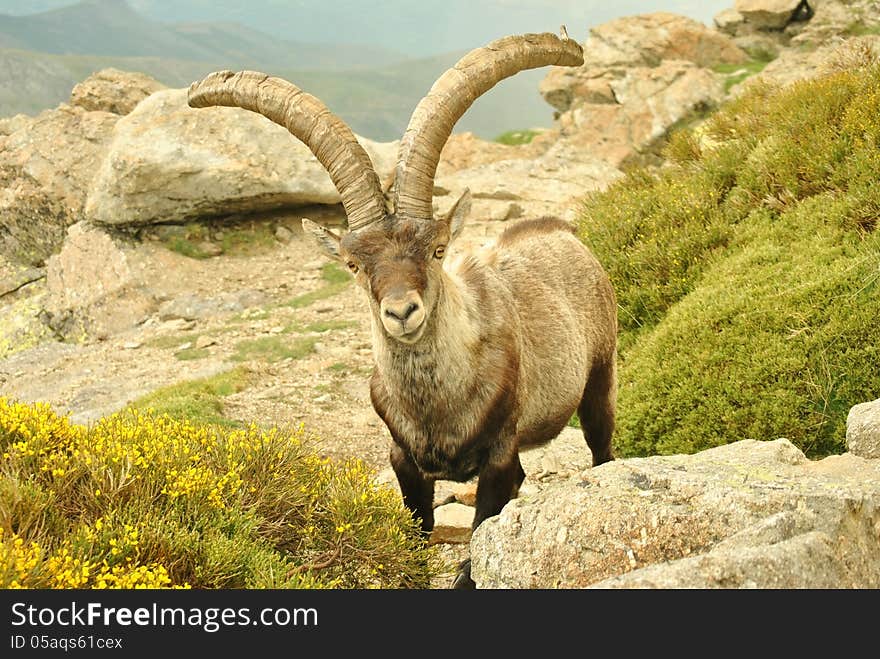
x: 747, y: 272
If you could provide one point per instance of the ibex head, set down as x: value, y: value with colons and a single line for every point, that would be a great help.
x: 395, y: 256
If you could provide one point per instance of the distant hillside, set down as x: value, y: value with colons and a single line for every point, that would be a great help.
x: 376, y: 103
x: 113, y: 28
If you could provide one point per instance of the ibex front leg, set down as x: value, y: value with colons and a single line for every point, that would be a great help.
x: 416, y: 488
x: 498, y: 483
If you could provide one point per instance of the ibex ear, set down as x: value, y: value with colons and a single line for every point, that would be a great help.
x: 457, y: 214
x: 326, y: 239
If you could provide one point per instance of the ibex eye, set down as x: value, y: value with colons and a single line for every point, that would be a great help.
x: 353, y: 267
x: 439, y: 252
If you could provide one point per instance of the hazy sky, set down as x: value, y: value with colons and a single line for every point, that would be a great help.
x: 411, y: 26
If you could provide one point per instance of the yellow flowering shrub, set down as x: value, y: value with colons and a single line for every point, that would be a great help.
x: 140, y: 500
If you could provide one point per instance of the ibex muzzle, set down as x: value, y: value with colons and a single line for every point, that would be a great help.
x: 475, y: 357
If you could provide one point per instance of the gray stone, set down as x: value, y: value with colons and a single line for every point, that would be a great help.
x: 452, y: 524
x: 46, y: 168
x: 863, y: 429
x: 191, y: 306
x: 112, y: 90
x: 96, y: 284
x: 168, y: 162
x: 728, y: 21
x: 767, y: 14
x: 283, y: 234
x: 749, y: 514
x: 205, y: 341
x: 648, y: 39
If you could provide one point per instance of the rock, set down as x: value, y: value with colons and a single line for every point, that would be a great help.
x: 168, y: 162
x: 863, y: 430
x: 563, y: 86
x: 748, y: 514
x: 465, y: 493
x: 112, y: 90
x: 21, y: 325
x: 96, y: 284
x: 14, y: 276
x: 543, y: 186
x: 131, y: 345
x: 793, y: 65
x: 648, y: 39
x: 729, y: 21
x: 835, y: 20
x: 204, y: 342
x: 631, y: 128
x: 283, y: 234
x: 642, y: 76
x: 466, y: 150
x: 46, y: 167
x: 767, y: 14
x: 191, y: 306
x: 452, y: 524
x: 9, y: 125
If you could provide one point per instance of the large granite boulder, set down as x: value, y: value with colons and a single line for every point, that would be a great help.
x: 749, y: 514
x: 168, y: 162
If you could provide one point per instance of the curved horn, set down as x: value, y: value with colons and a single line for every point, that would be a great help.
x: 451, y: 96
x: 310, y: 121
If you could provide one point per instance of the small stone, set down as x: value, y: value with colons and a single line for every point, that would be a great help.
x: 466, y: 493
x: 452, y: 524
x: 185, y: 346
x: 283, y: 234
x: 131, y: 345
x: 204, y: 342
x: 325, y: 308
x: 208, y: 248
x: 276, y: 330
x: 863, y: 430
x: 325, y: 398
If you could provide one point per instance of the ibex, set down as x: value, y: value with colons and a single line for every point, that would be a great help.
x: 476, y: 356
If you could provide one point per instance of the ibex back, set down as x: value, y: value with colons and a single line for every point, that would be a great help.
x: 477, y: 355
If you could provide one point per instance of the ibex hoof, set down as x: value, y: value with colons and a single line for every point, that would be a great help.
x: 463, y: 579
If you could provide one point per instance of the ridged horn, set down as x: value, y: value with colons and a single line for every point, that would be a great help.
x: 450, y: 97
x: 310, y: 121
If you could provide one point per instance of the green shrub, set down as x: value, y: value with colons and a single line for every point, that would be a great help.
x: 747, y: 272
x: 140, y: 500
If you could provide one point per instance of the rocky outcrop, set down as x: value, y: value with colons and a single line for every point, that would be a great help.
x: 649, y: 39
x: 863, y: 430
x: 642, y: 76
x: 168, y: 163
x: 749, y: 514
x: 112, y: 90
x: 46, y: 167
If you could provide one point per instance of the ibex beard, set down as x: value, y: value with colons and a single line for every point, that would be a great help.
x: 477, y: 355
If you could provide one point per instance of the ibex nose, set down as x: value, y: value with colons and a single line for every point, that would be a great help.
x: 402, y: 315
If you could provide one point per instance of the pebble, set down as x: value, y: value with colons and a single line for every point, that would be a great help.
x: 326, y: 398
x: 283, y: 234
x: 131, y: 345
x: 205, y: 341
x: 452, y: 524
